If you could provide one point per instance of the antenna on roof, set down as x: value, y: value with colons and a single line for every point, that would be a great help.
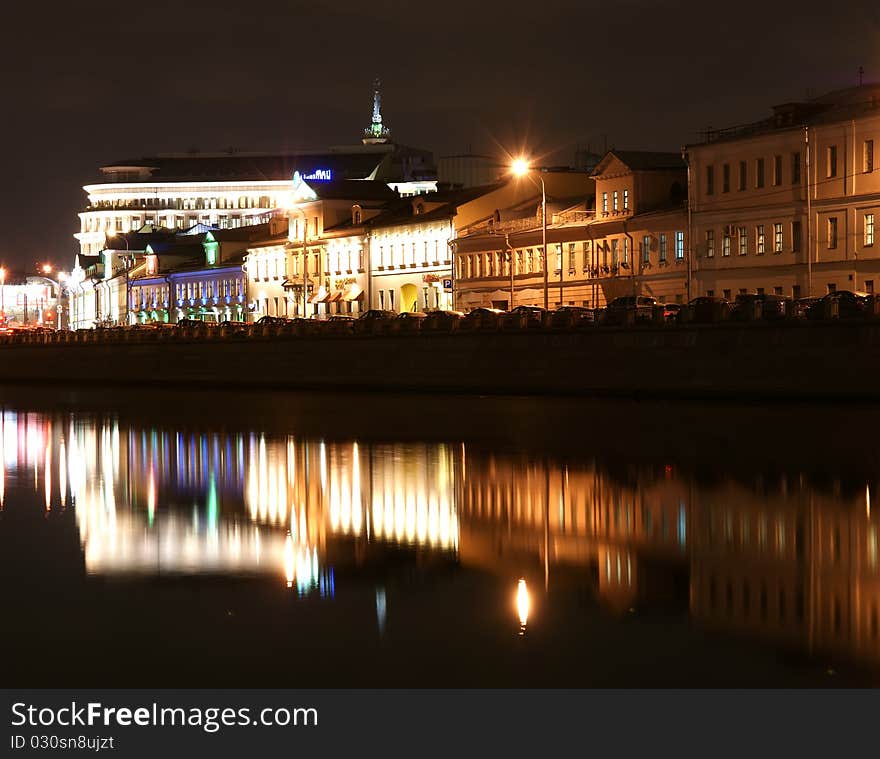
x: 861, y: 74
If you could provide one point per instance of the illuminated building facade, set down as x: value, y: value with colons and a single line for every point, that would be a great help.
x: 789, y: 204
x: 32, y: 301
x: 629, y: 235
x: 234, y: 189
x: 321, y: 267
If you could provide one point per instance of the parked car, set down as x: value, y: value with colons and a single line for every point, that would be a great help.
x: 672, y: 311
x: 339, y: 324
x: 442, y: 321
x: 409, y: 321
x: 642, y: 305
x: 374, y: 319
x: 232, y: 329
x: 750, y: 306
x: 193, y: 324
x: 841, y: 304
x: 707, y: 309
x: 802, y: 306
x: 572, y: 316
x: 524, y: 317
x: 273, y: 320
x: 482, y: 318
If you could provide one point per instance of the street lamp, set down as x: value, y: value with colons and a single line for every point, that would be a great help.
x: 520, y: 168
x: 114, y: 234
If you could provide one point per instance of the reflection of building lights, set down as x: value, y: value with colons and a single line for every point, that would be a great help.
x: 522, y: 605
x: 381, y: 609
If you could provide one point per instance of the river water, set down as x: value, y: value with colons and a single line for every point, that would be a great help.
x: 231, y: 539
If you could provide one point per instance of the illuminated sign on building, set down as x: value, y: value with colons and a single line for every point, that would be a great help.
x: 318, y: 175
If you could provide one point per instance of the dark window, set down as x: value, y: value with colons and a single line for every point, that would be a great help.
x: 831, y: 160
x: 869, y: 156
x: 759, y: 172
x: 795, y: 167
x: 777, y: 170
x: 725, y: 178
x: 743, y: 174
x: 795, y: 236
x: 710, y: 180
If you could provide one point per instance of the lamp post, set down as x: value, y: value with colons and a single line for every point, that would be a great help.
x: 305, y: 255
x: 58, y: 285
x: 521, y: 168
x: 127, y: 261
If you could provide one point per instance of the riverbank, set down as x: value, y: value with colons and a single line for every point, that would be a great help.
x: 760, y: 361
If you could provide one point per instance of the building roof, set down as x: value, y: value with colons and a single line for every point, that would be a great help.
x: 642, y: 160
x: 353, y: 190
x: 389, y: 162
x: 835, y: 106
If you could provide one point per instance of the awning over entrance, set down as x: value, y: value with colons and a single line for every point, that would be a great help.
x: 334, y: 296
x: 320, y: 296
x: 352, y: 292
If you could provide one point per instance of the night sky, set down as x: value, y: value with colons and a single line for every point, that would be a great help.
x: 91, y: 82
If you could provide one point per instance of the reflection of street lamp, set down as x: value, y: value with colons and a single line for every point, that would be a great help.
x: 521, y: 168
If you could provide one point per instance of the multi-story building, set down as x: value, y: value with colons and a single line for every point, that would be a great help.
x: 196, y: 276
x: 627, y: 236
x: 233, y: 189
x: 320, y: 265
x: 788, y: 204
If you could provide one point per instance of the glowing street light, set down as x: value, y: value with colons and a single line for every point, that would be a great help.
x: 520, y: 168
x: 47, y: 269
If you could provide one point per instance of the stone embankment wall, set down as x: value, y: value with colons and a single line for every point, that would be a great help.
x: 789, y: 360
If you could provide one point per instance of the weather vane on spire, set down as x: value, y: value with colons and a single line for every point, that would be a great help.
x: 376, y: 133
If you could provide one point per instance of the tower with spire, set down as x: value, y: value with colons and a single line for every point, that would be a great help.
x: 377, y: 133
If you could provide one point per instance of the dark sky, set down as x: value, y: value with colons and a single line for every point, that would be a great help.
x: 90, y: 82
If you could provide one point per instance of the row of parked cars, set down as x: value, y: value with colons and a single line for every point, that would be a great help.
x: 842, y: 304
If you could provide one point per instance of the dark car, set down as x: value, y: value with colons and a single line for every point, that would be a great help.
x: 482, y: 318
x: 408, y: 321
x: 374, y: 320
x: 751, y: 306
x: 232, y: 329
x: 672, y: 311
x: 642, y: 306
x: 442, y: 320
x: 524, y: 317
x: 803, y: 305
x: 273, y: 320
x: 707, y: 309
x: 572, y: 316
x: 841, y: 304
x: 192, y: 324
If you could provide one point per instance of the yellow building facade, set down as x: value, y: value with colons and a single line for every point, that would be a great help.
x: 788, y: 204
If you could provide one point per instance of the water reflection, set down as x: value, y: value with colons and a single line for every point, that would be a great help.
x: 779, y: 558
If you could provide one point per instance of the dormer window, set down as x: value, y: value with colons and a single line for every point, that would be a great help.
x: 420, y: 208
x: 356, y: 215
x: 152, y: 264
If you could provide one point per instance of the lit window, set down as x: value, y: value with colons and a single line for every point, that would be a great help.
x: 743, y: 241
x: 832, y: 232
x: 869, y: 229
x: 710, y: 243
x: 679, y: 245
x: 759, y: 239
x: 777, y: 237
